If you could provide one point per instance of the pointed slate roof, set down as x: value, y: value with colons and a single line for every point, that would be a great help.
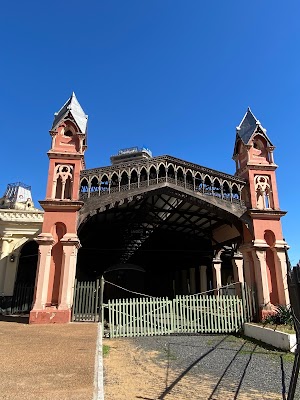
x: 72, y: 105
x: 248, y: 126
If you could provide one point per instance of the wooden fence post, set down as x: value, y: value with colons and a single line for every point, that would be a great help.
x: 101, y: 309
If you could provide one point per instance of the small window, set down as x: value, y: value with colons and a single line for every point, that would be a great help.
x: 68, y: 133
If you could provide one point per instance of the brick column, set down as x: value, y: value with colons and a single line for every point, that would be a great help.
x: 45, y: 241
x: 281, y: 276
x: 261, y: 278
x: 71, y: 245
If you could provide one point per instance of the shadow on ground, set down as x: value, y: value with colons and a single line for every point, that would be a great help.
x: 18, y: 319
x: 226, y: 382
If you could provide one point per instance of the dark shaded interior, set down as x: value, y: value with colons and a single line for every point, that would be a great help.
x: 27, y: 264
x: 164, y: 235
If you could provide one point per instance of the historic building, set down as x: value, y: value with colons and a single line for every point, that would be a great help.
x: 20, y: 223
x: 159, y: 225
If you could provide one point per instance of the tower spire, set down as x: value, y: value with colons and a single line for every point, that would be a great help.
x: 71, y: 108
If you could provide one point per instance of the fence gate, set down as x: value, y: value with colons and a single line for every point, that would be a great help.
x: 140, y: 317
x: 184, y: 314
x: 20, y: 302
x: 148, y: 316
x: 86, y: 302
x: 208, y: 314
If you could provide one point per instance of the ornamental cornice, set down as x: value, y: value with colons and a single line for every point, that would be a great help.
x: 261, y: 167
x: 60, y: 155
x: 61, y: 205
x: 156, y: 161
x: 267, y: 213
x: 21, y: 216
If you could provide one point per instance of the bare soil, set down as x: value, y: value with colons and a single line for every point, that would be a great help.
x: 131, y: 372
x: 47, y: 362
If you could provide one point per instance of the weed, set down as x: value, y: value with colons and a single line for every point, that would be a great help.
x: 105, y: 350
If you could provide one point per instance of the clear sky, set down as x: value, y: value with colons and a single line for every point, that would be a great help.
x: 175, y: 76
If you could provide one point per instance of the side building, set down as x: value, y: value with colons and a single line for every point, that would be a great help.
x: 20, y: 224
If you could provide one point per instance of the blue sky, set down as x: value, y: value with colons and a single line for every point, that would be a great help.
x: 176, y: 76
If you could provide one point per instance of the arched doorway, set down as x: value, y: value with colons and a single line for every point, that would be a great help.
x: 25, y: 279
x: 167, y: 233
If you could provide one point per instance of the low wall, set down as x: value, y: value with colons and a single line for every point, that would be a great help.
x: 281, y: 340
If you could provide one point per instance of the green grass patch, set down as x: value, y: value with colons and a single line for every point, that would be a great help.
x: 276, y: 327
x: 105, y: 350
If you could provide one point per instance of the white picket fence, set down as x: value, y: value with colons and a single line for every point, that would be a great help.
x: 149, y: 316
x: 184, y: 314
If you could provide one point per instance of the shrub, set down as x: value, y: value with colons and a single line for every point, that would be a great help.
x: 282, y: 316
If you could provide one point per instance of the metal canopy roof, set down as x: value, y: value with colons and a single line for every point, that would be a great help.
x: 139, y: 219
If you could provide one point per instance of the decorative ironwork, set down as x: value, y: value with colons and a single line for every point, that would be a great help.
x: 131, y: 175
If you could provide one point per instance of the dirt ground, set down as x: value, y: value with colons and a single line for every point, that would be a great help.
x: 43, y: 362
x: 131, y: 372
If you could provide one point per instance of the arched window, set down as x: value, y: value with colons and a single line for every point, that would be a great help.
x: 226, y: 191
x: 198, y: 182
x: 235, y: 193
x: 104, y: 184
x: 94, y: 184
x: 180, y: 177
x: 216, y: 188
x: 124, y: 178
x: 63, y: 182
x: 143, y: 175
x: 162, y: 171
x: 152, y: 173
x: 207, y: 185
x: 114, y: 182
x: 84, y: 186
x: 58, y: 192
x: 133, y: 177
x: 189, y: 180
x: 171, y: 172
x: 263, y: 191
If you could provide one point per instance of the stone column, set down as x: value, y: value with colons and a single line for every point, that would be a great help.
x: 192, y: 281
x: 217, y: 281
x: 45, y: 241
x: 261, y: 278
x: 238, y: 273
x: 10, y: 273
x: 281, y: 276
x: 5, y: 250
x: 247, y: 266
x: 70, y: 244
x: 203, y: 278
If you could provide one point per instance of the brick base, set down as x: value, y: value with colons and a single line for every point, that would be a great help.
x: 50, y: 315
